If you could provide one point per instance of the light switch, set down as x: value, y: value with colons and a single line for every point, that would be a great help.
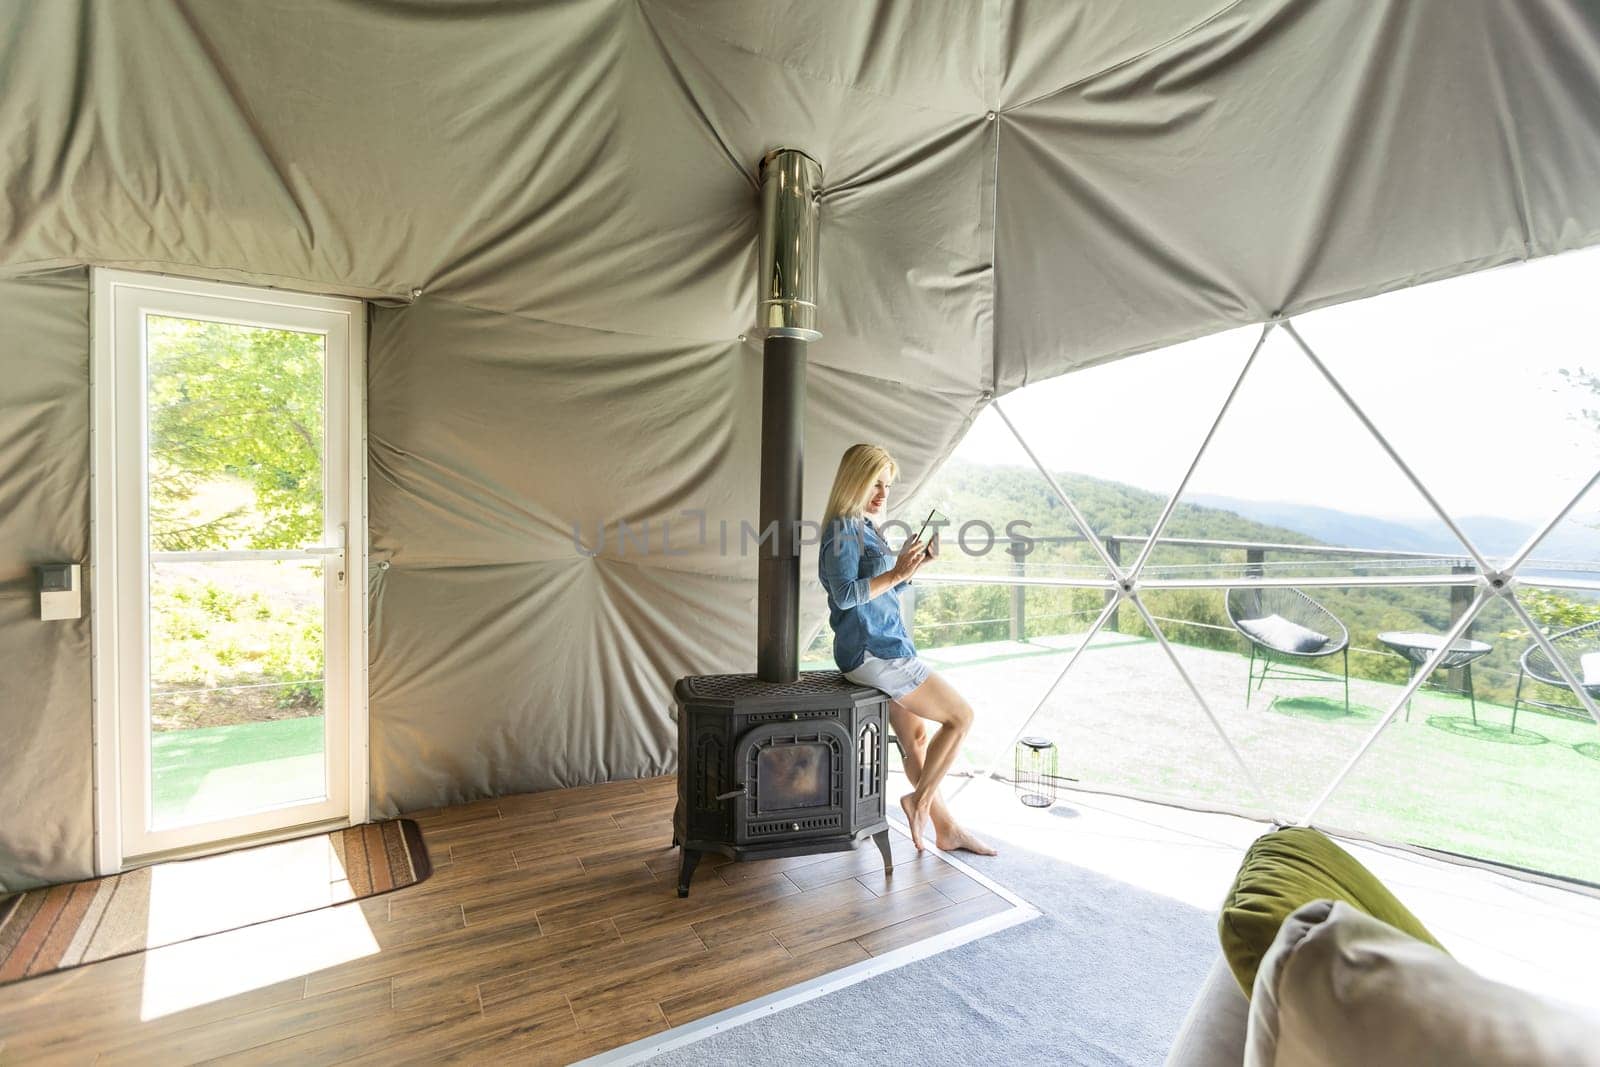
x: 60, y: 591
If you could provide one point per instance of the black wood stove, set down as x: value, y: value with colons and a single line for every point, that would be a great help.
x: 778, y: 769
x: 780, y: 763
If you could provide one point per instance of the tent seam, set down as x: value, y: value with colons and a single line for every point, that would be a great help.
x: 694, y: 101
x: 950, y: 394
x: 946, y: 394
x: 576, y: 560
x: 526, y: 317
x: 813, y: 75
x: 242, y: 110
x: 991, y: 54
x: 943, y: 457
x: 1458, y: 269
x: 305, y: 284
x: 1119, y: 64
x: 1508, y: 139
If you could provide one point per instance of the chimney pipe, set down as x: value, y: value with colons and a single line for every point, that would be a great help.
x: 787, y: 309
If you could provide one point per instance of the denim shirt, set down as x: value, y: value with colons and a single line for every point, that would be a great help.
x: 852, y: 553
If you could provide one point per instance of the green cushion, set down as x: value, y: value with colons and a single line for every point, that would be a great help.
x: 1285, y: 869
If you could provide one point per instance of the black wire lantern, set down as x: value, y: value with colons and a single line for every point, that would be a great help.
x: 1035, y: 771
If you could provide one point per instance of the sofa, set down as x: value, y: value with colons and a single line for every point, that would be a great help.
x: 1322, y: 966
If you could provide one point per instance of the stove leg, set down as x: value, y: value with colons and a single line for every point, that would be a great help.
x: 691, y: 857
x: 881, y: 839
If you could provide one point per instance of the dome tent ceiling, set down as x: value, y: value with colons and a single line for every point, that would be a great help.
x: 1013, y: 189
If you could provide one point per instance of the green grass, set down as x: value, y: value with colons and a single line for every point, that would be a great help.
x: 1523, y: 799
x: 1126, y: 722
x: 224, y: 770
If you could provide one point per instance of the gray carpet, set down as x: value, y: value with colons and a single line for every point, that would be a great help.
x: 1103, y: 976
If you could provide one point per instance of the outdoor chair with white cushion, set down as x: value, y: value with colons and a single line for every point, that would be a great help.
x: 1285, y: 627
x: 1580, y: 648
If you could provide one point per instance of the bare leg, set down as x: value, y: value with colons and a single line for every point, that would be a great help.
x: 913, y: 735
x: 937, y: 701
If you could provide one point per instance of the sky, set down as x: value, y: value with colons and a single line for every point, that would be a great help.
x: 1462, y: 376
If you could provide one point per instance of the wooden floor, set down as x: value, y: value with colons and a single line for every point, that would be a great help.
x: 550, y: 931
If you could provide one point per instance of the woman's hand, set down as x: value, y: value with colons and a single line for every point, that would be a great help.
x: 913, y: 554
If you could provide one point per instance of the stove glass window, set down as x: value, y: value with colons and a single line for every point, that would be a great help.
x: 793, y: 776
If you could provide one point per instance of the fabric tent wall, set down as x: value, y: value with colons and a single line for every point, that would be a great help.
x: 46, y: 765
x: 504, y: 655
x: 1013, y: 189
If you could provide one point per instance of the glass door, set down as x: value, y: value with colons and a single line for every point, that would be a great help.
x: 233, y: 511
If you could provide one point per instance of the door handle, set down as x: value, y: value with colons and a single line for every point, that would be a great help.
x: 333, y: 552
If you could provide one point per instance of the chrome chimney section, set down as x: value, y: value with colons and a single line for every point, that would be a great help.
x: 787, y: 310
x: 790, y: 186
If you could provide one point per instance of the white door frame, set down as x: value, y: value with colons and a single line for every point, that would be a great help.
x: 118, y: 594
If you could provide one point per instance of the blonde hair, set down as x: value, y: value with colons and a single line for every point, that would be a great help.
x: 858, y: 469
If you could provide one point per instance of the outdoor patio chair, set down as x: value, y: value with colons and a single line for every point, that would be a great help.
x: 1285, y: 627
x: 1580, y: 647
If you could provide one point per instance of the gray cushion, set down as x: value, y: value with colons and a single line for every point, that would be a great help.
x: 1277, y: 632
x: 1340, y: 987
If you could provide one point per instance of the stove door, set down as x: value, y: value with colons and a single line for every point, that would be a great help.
x: 797, y: 780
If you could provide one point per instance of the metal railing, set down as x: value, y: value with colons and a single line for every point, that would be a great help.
x: 1255, y: 560
x: 1254, y: 563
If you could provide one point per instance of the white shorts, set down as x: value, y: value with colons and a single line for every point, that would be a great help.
x: 897, y: 677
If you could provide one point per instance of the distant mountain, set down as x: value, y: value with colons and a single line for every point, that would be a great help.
x: 967, y: 490
x: 1337, y: 527
x: 997, y: 494
x: 1576, y: 539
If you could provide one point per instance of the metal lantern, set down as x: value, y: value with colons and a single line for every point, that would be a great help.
x: 1035, y: 771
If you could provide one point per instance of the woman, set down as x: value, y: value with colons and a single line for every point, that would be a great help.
x: 870, y: 644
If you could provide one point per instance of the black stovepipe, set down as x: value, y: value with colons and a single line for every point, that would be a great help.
x: 783, y: 391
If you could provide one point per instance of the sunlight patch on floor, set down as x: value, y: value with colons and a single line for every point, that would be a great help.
x: 187, y: 975
x: 235, y: 888
x: 1163, y: 856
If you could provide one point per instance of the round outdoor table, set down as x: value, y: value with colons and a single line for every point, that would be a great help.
x: 1417, y: 647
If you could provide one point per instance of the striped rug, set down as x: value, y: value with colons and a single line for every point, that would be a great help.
x: 57, y: 927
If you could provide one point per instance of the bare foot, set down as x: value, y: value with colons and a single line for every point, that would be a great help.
x: 914, y: 818
x: 958, y: 840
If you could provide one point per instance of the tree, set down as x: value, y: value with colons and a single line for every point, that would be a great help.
x: 1585, y: 379
x: 240, y: 402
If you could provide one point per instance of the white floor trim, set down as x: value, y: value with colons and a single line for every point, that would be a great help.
x: 1071, y: 790
x: 1506, y: 870
x: 700, y: 1029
